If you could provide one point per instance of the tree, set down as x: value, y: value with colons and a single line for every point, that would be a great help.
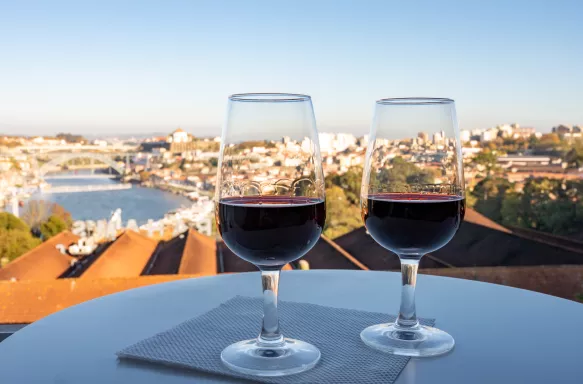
x: 10, y: 222
x: 574, y: 157
x: 400, y: 175
x: 341, y: 216
x: 486, y: 160
x: 53, y: 226
x: 14, y: 243
x: 548, y: 205
x: 350, y: 182
x: 144, y: 176
x: 15, y: 237
x: 490, y: 193
x: 70, y: 138
x: 39, y: 211
x: 549, y: 143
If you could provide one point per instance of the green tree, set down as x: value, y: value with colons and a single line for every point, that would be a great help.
x: 574, y: 157
x: 511, y: 211
x: 341, y: 216
x: 39, y: 211
x: 15, y: 237
x: 400, y: 175
x: 490, y: 193
x: 53, y: 226
x: 10, y: 222
x: 70, y: 138
x: 14, y: 243
x: 487, y: 161
x: 548, y: 143
x: 350, y: 182
x: 548, y: 205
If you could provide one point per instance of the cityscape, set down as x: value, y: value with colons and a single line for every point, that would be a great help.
x: 162, y: 186
x: 291, y: 192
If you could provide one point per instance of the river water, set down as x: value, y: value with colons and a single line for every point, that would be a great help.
x: 137, y: 203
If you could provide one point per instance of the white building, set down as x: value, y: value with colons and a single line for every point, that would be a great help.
x: 523, y: 132
x: 489, y: 134
x: 507, y: 130
x: 326, y: 141
x: 438, y: 138
x: 465, y: 136
x: 364, y: 141
x: 343, y: 141
x: 178, y: 136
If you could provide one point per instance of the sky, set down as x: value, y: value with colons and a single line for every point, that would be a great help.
x: 126, y: 67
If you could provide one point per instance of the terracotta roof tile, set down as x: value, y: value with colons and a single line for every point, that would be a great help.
x: 28, y: 301
x: 43, y: 262
x: 474, y: 217
x: 326, y: 254
x: 126, y: 257
x: 558, y: 280
x: 229, y: 262
x: 199, y: 255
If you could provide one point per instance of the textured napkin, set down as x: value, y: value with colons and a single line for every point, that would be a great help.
x: 197, y: 343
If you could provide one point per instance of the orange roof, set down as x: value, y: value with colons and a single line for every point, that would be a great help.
x: 178, y: 130
x: 199, y: 255
x: 27, y: 301
x: 344, y: 253
x: 126, y: 257
x: 43, y: 262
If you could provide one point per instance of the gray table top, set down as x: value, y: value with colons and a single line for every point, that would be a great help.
x: 503, y: 335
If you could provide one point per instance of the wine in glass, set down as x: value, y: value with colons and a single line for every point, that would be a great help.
x: 270, y: 210
x: 413, y: 202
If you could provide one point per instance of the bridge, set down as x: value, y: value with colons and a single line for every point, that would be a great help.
x: 87, y: 188
x: 66, y: 157
x: 77, y: 147
x: 82, y: 176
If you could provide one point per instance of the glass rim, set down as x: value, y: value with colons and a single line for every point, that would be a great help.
x: 415, y: 101
x: 269, y: 97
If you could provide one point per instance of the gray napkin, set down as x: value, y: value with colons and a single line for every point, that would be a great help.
x: 197, y: 343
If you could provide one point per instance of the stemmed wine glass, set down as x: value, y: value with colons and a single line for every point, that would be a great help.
x: 270, y: 210
x: 413, y: 202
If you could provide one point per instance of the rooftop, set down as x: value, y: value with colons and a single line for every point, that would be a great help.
x: 27, y: 301
x: 126, y: 257
x: 44, y: 262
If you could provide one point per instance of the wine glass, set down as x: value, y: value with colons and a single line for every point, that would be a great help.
x: 413, y: 202
x: 270, y: 210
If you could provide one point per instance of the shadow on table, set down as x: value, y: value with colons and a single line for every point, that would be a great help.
x: 158, y: 372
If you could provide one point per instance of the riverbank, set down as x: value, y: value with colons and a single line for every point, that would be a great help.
x: 137, y: 202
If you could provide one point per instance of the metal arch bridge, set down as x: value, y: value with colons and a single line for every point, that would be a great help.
x: 48, y: 167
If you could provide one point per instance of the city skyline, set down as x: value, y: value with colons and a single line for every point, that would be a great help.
x: 146, y: 67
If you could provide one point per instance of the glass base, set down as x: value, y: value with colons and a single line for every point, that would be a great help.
x: 251, y: 358
x: 418, y: 341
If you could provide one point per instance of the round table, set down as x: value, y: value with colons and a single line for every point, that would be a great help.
x: 503, y: 335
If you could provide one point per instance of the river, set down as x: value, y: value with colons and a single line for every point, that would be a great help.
x: 137, y: 203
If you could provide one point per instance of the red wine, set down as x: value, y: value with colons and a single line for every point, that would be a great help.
x: 412, y: 224
x: 270, y: 231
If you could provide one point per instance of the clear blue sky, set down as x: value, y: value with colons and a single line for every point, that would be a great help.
x: 151, y: 66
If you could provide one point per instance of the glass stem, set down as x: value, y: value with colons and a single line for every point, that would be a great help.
x: 270, y: 334
x: 407, y: 314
